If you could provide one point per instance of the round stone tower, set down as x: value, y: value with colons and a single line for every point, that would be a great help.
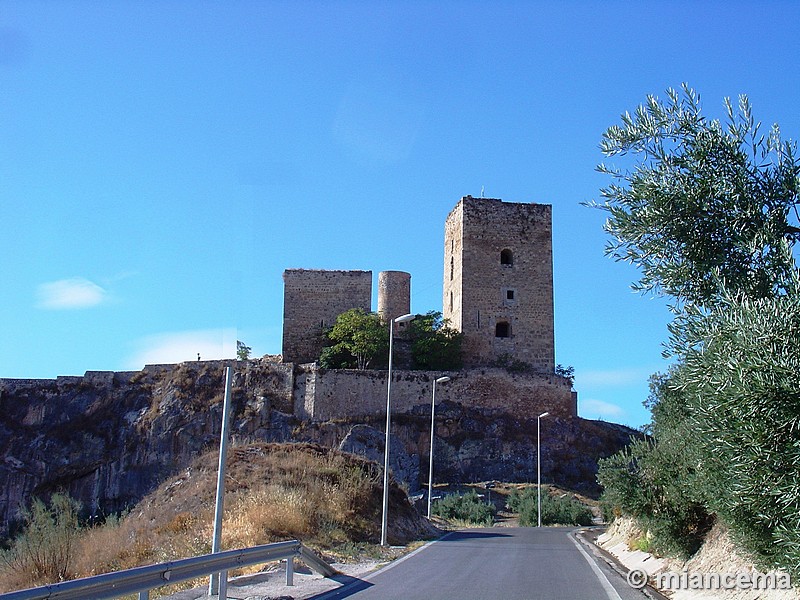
x: 394, y: 294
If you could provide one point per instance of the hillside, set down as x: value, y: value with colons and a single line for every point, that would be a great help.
x: 328, y: 499
x: 109, y: 439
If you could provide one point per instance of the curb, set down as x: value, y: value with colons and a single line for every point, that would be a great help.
x: 583, y: 534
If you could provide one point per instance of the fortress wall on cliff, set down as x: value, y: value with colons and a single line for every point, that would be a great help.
x: 329, y: 394
x: 109, y: 438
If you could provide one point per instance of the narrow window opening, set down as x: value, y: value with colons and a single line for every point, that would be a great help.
x: 502, y: 329
x: 451, y: 301
x: 451, y: 268
x: 509, y: 294
x: 506, y: 257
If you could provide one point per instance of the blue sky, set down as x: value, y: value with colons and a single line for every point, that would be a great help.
x: 162, y: 163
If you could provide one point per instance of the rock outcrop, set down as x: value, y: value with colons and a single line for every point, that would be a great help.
x: 108, y: 439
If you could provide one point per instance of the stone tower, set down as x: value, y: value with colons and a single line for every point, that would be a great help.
x: 312, y: 299
x: 498, y: 281
x: 394, y: 295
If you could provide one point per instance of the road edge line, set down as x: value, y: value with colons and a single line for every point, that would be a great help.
x: 334, y: 593
x: 601, y: 577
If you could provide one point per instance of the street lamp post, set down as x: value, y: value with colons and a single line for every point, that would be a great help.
x: 539, y: 468
x: 218, y: 583
x: 402, y: 319
x: 430, y: 466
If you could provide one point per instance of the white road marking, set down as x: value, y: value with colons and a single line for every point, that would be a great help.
x: 609, y: 589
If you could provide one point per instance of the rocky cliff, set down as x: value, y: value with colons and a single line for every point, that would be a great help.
x: 108, y: 439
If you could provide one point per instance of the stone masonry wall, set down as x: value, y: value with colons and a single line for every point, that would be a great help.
x: 312, y: 299
x: 329, y: 394
x: 394, y: 294
x: 498, y: 287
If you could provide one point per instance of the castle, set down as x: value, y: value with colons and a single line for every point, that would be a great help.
x: 105, y: 435
x: 497, y: 291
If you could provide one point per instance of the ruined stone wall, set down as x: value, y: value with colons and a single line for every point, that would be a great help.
x: 312, y: 299
x: 330, y: 394
x: 498, y: 287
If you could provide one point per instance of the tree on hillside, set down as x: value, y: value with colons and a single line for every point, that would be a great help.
x: 242, y: 351
x: 358, y: 338
x: 434, y: 344
x: 707, y: 215
x: 706, y: 203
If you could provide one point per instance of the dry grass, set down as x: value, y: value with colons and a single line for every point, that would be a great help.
x: 327, y: 499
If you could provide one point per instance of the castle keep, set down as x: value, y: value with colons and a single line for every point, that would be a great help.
x: 498, y: 281
x: 497, y: 291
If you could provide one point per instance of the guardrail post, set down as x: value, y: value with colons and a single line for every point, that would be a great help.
x: 290, y: 570
x: 223, y: 585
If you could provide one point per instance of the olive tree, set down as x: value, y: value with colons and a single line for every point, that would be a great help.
x: 705, y: 203
x: 707, y: 213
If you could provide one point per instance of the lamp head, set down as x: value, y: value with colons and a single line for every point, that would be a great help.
x: 442, y: 379
x: 404, y: 318
x: 544, y: 414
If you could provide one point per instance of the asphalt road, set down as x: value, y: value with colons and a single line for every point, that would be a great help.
x: 499, y: 562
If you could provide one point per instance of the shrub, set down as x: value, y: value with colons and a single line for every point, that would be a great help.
x: 555, y: 510
x: 467, y: 507
x: 44, y: 551
x: 656, y: 480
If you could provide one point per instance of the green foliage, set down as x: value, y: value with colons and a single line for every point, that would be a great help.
x: 643, y: 544
x: 361, y: 340
x: 741, y: 378
x: 556, y: 510
x: 566, y: 372
x: 467, y: 507
x: 435, y: 345
x: 358, y: 339
x: 705, y: 203
x: 653, y: 482
x: 705, y: 215
x: 337, y: 357
x: 44, y: 551
x: 242, y: 351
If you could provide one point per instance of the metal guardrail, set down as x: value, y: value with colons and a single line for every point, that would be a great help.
x: 144, y: 579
